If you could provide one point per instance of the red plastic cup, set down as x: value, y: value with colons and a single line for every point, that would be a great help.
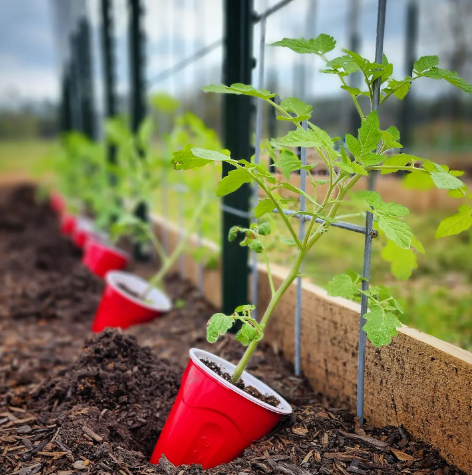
x: 119, y: 309
x: 68, y: 224
x: 213, y: 421
x: 82, y: 232
x: 57, y: 203
x: 101, y: 257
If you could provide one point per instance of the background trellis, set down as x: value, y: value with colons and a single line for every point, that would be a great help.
x: 239, y: 23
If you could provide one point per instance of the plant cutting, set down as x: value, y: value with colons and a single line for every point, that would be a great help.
x: 139, y: 175
x: 202, y: 423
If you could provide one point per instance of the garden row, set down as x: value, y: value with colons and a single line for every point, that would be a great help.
x: 100, y: 409
x: 103, y: 198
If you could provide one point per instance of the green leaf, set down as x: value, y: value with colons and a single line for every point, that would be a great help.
x: 450, y: 76
x: 400, y: 160
x: 371, y: 159
x: 288, y: 162
x: 381, y: 326
x: 194, y: 157
x: 444, y: 180
x: 320, y: 45
x: 353, y: 145
x: 218, y: 325
x: 233, y: 233
x: 249, y: 333
x: 403, y: 261
x: 264, y: 229
x: 342, y: 286
x: 256, y: 245
x: 301, y: 110
x: 354, y: 91
x: 232, y: 181
x: 239, y: 89
x: 263, y: 207
x: 456, y: 223
x: 425, y: 62
x: 399, y: 88
x: 348, y: 166
x: 301, y: 138
x: 418, y: 181
x: 398, y: 231
x: 369, y: 133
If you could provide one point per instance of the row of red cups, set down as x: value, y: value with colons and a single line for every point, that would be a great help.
x: 212, y: 421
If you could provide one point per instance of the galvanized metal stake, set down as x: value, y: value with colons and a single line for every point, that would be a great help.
x: 260, y: 84
x: 301, y: 235
x: 382, y: 8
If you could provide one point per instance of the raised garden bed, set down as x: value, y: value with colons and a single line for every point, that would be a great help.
x: 68, y: 408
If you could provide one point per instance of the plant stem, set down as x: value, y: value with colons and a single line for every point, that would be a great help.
x: 269, y: 273
x: 238, y: 371
x: 170, y: 261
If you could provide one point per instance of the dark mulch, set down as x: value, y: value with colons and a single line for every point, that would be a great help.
x: 99, y: 409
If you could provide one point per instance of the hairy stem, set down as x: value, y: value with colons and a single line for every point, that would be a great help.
x: 238, y: 371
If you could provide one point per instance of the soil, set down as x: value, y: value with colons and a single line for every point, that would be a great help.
x: 251, y: 390
x: 98, y: 408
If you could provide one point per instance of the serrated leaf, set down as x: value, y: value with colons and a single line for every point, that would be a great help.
x: 369, y: 133
x: 239, y: 89
x: 301, y: 110
x: 418, y: 181
x: 425, y: 62
x: 353, y: 145
x: 248, y: 333
x: 301, y: 138
x: 218, y: 325
x: 342, y: 286
x: 371, y: 159
x: 353, y: 91
x: 399, y: 88
x: 398, y: 231
x: 232, y: 181
x: 444, y: 180
x: 288, y: 162
x: 381, y: 326
x: 455, y: 224
x: 450, y: 76
x: 400, y: 160
x: 320, y: 45
x: 263, y: 207
x: 194, y: 157
x: 403, y: 261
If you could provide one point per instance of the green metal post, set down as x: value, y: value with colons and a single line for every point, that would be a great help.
x: 108, y: 71
x: 137, y: 86
x: 238, y: 63
x: 86, y: 80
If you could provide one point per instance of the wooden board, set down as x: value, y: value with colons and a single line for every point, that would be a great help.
x: 418, y: 381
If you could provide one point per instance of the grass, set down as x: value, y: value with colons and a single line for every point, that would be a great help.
x: 23, y: 157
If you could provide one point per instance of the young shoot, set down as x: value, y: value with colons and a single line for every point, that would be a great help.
x: 373, y: 150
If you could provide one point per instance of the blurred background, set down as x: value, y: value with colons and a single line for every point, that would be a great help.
x: 435, y: 120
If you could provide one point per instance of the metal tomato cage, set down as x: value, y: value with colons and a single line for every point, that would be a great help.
x: 77, y: 113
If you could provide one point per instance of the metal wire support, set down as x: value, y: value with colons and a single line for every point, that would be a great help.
x: 181, y: 225
x: 301, y: 236
x: 382, y: 8
x: 270, y: 11
x: 257, y: 154
x: 185, y: 62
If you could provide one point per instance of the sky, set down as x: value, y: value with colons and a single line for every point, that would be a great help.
x: 30, y: 53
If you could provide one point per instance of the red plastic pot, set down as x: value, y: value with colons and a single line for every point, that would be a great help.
x: 68, y: 223
x: 82, y: 232
x: 101, y: 257
x: 57, y: 203
x: 119, y: 309
x: 213, y: 421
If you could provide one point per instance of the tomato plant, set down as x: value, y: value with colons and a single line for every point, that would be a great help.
x: 372, y: 150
